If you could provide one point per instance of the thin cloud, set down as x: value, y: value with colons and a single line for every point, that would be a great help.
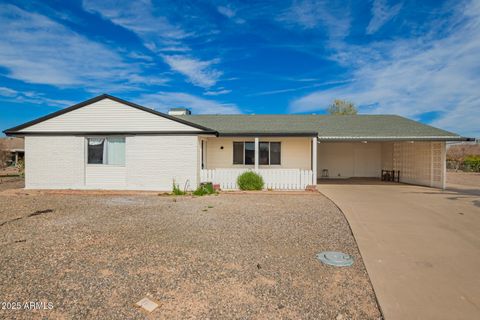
x: 35, y: 49
x: 163, y: 101
x: 381, y: 14
x: 12, y: 95
x: 199, y: 73
x: 137, y: 16
x: 217, y: 93
x: 413, y: 76
x: 159, y: 35
x: 311, y: 14
x: 230, y: 13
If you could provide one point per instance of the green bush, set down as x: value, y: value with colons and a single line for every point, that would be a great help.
x: 250, y: 181
x: 204, y: 189
x: 472, y: 163
x: 176, y: 190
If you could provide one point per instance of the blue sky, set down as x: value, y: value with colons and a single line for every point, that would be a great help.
x: 419, y: 59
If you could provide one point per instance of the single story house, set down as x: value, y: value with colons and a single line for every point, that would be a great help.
x: 12, y: 151
x: 110, y: 143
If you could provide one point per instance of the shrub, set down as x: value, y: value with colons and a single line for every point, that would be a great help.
x: 250, y: 181
x: 472, y: 163
x: 204, y: 189
x: 21, y: 167
x: 176, y: 190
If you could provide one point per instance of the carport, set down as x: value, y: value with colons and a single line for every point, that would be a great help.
x: 420, y: 162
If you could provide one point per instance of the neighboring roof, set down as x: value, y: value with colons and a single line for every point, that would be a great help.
x: 15, y: 130
x: 12, y: 144
x: 327, y: 127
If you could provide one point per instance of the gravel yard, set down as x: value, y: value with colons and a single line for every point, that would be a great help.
x: 243, y: 256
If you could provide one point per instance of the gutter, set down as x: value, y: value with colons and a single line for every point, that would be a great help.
x: 395, y: 138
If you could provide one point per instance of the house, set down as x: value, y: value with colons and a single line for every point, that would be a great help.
x: 110, y: 143
x: 11, y: 150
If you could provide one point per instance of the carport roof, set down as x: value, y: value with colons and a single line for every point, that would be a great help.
x: 327, y: 127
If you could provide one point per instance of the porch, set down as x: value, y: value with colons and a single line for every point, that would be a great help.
x: 285, y: 163
x: 299, y: 161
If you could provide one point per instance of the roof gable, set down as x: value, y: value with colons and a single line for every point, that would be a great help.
x: 106, y: 113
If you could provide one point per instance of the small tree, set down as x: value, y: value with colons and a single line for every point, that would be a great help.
x: 342, y: 107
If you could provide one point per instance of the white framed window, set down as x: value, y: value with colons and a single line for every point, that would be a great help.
x: 106, y: 150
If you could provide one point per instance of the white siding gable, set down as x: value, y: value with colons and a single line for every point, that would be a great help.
x: 108, y: 116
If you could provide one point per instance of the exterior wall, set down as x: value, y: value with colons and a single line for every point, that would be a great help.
x: 387, y: 155
x: 346, y: 160
x: 421, y: 163
x: 105, y: 176
x: 54, y: 162
x: 108, y: 116
x: 295, y: 154
x: 151, y: 163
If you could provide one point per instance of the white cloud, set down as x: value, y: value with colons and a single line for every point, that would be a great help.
x: 216, y: 93
x: 163, y: 101
x: 230, y: 13
x: 415, y: 76
x: 199, y: 73
x: 35, y: 49
x: 226, y: 11
x: 158, y: 35
x: 310, y: 14
x: 12, y: 95
x: 7, y: 92
x: 381, y: 14
x: 137, y: 16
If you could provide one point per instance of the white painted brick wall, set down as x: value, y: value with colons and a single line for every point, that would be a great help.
x: 154, y: 161
x: 54, y: 162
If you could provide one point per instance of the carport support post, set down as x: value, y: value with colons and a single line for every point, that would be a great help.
x: 314, y: 159
x: 256, y: 154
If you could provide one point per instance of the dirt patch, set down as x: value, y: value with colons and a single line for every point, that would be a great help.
x: 229, y: 256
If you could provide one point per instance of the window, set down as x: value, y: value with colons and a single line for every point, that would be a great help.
x: 275, y: 153
x: 244, y: 153
x: 263, y: 148
x: 109, y: 150
x: 238, y: 153
x: 269, y: 153
x: 249, y: 152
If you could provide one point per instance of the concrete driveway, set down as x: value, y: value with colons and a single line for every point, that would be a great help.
x: 421, y: 246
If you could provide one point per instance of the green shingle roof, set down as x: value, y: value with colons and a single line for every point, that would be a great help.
x: 343, y: 127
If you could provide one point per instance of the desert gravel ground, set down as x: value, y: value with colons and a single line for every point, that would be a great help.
x: 11, y: 183
x: 231, y: 256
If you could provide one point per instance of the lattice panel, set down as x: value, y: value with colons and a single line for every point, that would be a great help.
x: 414, y: 161
x: 437, y: 165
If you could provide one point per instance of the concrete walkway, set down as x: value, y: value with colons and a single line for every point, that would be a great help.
x: 421, y: 246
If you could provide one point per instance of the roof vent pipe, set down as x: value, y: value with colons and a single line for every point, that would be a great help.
x: 179, y: 111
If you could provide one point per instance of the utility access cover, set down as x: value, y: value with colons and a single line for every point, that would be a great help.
x: 335, y: 258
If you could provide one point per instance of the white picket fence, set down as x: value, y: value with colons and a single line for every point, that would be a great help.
x: 280, y: 179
